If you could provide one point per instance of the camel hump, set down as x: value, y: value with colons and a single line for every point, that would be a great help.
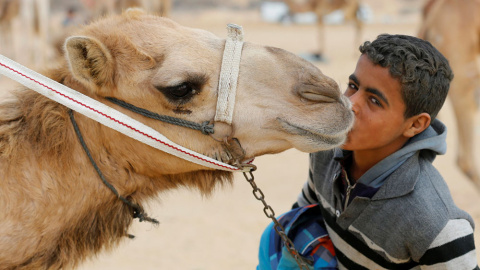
x: 429, y: 13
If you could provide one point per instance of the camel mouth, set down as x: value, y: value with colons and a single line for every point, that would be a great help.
x: 230, y: 152
x: 332, y: 139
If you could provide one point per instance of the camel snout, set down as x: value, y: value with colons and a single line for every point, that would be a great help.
x: 326, y: 92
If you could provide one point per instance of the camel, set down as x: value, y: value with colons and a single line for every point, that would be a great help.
x: 56, y: 212
x: 453, y: 27
x: 29, y: 19
x: 322, y: 8
x: 8, y: 11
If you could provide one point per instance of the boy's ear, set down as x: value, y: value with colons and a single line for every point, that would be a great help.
x: 417, y: 124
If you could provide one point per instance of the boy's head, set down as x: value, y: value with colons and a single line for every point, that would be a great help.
x: 423, y: 72
x: 397, y: 88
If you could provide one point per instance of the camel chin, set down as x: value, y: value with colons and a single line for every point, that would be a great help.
x: 308, y: 140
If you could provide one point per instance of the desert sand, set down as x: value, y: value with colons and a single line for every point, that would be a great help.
x: 222, y: 231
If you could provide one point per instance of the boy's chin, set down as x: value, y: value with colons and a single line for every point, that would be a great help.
x: 346, y: 148
x: 347, y: 145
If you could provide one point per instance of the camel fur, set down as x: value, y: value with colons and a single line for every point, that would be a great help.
x: 55, y: 210
x: 453, y: 26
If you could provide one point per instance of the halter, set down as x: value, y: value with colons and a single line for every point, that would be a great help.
x: 128, y: 126
x: 227, y: 86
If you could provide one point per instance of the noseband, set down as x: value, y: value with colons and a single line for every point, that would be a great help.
x: 227, y: 86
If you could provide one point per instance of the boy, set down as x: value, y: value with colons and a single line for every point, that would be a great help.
x: 380, y: 199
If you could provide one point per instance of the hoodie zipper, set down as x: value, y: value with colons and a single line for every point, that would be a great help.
x: 350, y: 187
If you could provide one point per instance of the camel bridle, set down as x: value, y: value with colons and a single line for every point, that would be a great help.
x: 116, y: 120
x: 227, y: 85
x: 226, y: 93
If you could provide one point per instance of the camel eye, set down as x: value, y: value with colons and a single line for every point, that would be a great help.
x: 179, y: 93
x: 182, y: 90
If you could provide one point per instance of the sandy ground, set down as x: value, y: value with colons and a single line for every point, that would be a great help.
x: 222, y: 231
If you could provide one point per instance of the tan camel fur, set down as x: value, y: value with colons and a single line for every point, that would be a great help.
x: 453, y: 26
x: 322, y: 8
x: 55, y: 211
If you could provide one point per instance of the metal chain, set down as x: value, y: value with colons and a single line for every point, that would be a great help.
x: 267, y: 209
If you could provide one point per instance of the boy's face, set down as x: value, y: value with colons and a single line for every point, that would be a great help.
x: 379, y: 110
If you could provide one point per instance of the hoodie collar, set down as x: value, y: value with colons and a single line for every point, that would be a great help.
x: 428, y: 144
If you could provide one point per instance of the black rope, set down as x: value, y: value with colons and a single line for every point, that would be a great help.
x: 205, y: 128
x: 138, y: 211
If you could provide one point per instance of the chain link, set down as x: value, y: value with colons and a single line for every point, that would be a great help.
x: 267, y: 209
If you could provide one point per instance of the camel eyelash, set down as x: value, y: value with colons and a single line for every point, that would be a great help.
x: 183, y: 92
x: 180, y: 93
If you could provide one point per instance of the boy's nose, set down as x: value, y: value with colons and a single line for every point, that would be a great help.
x: 355, y: 102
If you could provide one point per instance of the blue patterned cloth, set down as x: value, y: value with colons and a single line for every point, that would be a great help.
x: 306, y: 228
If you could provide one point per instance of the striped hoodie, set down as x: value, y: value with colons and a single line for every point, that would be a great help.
x: 411, y: 222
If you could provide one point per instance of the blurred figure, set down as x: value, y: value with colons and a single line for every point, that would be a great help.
x: 322, y: 8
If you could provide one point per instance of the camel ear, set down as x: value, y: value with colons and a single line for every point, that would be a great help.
x: 91, y: 63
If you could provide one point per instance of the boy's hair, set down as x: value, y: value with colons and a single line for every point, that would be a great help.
x: 423, y: 72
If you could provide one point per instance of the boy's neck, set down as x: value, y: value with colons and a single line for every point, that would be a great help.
x: 363, y: 160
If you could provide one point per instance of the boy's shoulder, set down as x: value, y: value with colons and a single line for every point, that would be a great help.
x: 419, y: 190
x: 416, y: 218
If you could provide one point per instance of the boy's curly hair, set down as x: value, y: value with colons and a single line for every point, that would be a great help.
x: 423, y: 72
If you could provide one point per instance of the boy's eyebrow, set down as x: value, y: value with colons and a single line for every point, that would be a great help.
x: 378, y: 94
x: 370, y: 90
x: 353, y: 78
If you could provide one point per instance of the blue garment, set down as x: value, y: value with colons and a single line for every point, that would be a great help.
x: 306, y: 228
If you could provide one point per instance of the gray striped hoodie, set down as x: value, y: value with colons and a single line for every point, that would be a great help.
x: 410, y: 223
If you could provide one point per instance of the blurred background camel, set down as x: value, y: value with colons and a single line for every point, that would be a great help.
x: 99, y: 8
x: 453, y: 26
x: 24, y: 30
x: 29, y: 35
x: 321, y: 8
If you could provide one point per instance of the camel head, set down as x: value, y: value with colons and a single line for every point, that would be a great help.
x: 282, y: 101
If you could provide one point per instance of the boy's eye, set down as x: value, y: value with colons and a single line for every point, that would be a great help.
x: 352, y: 86
x: 375, y: 101
x: 351, y: 89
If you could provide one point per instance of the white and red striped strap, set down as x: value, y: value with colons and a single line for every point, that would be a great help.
x: 104, y: 114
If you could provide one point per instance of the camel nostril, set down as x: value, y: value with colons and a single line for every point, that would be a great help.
x: 319, y: 93
x: 317, y: 97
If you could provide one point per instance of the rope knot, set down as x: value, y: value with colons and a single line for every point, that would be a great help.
x: 206, y: 129
x: 142, y: 216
